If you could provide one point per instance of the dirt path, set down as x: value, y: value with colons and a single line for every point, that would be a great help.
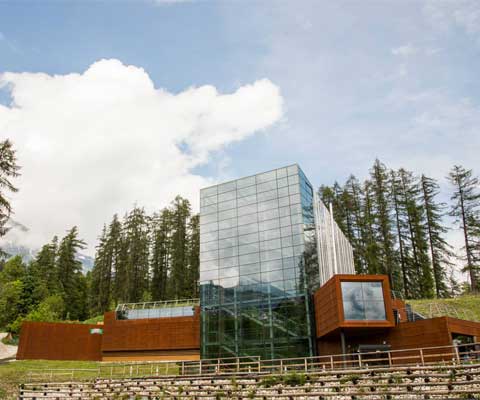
x: 6, y: 351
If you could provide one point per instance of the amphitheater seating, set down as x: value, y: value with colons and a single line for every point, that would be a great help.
x: 428, y: 382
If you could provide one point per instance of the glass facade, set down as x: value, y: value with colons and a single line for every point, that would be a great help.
x: 363, y: 301
x: 257, y: 249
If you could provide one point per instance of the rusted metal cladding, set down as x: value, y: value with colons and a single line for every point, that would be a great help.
x: 175, y: 333
x: 59, y: 341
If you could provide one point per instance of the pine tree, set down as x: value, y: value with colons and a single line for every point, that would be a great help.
x: 440, y: 251
x: 178, y: 287
x: 161, y: 247
x: 193, y: 256
x: 70, y: 275
x: 419, y: 262
x: 372, y: 242
x: 8, y: 170
x: 382, y: 219
x: 44, y: 267
x: 137, y: 242
x: 466, y: 210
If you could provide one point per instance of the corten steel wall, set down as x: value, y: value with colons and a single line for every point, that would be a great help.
x: 329, y: 316
x: 58, y: 341
x: 463, y: 327
x: 154, y: 338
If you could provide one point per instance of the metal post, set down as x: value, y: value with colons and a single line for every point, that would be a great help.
x: 421, y: 357
x: 281, y: 366
x: 306, y: 365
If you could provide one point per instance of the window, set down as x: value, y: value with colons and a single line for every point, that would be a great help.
x: 247, y: 200
x: 269, y: 214
x: 229, y: 242
x: 247, y: 219
x: 228, y: 252
x: 244, y: 182
x: 209, y: 246
x: 248, y: 248
x: 271, y: 194
x: 227, y: 205
x: 271, y: 234
x: 225, y: 233
x: 247, y: 229
x: 209, y: 227
x: 270, y: 224
x: 227, y: 187
x: 270, y: 244
x: 245, y: 239
x: 208, y: 191
x: 363, y: 301
x: 228, y: 223
x: 227, y: 196
x: 247, y: 191
x: 249, y: 209
x: 228, y: 262
x: 266, y: 176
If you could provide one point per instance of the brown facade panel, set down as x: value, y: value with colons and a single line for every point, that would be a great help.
x: 59, y: 341
x: 158, y: 355
x: 462, y: 327
x: 175, y: 333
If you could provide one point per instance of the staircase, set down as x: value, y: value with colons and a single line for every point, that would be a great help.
x: 421, y: 382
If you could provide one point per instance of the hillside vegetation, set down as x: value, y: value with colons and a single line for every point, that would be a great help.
x: 467, y: 306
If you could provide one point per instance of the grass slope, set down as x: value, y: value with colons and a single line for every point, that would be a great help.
x: 468, y: 306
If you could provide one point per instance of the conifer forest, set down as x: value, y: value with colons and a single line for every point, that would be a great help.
x: 395, y: 220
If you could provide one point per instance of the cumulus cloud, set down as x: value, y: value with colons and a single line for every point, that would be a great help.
x: 95, y: 143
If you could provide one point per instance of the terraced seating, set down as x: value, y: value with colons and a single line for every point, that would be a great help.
x: 426, y: 382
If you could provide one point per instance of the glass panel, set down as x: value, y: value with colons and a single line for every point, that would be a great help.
x: 284, y: 221
x: 230, y: 242
x: 228, y: 223
x: 209, y: 255
x: 208, y: 201
x: 282, y: 192
x: 270, y: 245
x: 227, y: 214
x: 228, y: 262
x: 266, y: 176
x: 208, y: 237
x: 294, y: 189
x: 270, y: 234
x: 271, y: 194
x: 209, y: 227
x: 292, y: 180
x: 284, y: 201
x: 282, y: 182
x: 208, y: 246
x: 207, y: 219
x: 246, y: 229
x: 267, y: 205
x: 271, y: 255
x: 227, y: 205
x: 287, y: 241
x: 247, y: 191
x: 286, y: 231
x: 247, y: 219
x: 284, y: 211
x: 270, y: 224
x: 268, y: 214
x: 227, y: 196
x: 272, y: 276
x: 207, y: 265
x: 208, y: 209
x: 292, y: 170
x: 252, y: 208
x: 287, y: 252
x: 251, y: 238
x: 243, y: 201
x: 210, y: 191
x: 271, y: 265
x: 227, y: 187
x: 244, y: 182
x: 281, y: 173
x: 209, y: 275
x: 267, y: 186
x: 225, y: 233
x: 363, y: 301
x: 248, y: 248
x: 295, y: 198
x: 251, y: 279
x: 249, y: 258
x: 228, y: 272
x: 249, y: 269
x: 228, y: 252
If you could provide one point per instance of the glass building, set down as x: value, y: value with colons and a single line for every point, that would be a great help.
x: 259, y: 262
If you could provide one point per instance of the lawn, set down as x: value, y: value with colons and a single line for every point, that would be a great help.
x: 468, y: 307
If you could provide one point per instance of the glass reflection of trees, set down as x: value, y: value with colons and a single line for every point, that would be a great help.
x: 363, y: 301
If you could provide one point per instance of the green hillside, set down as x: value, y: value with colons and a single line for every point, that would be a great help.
x: 465, y: 307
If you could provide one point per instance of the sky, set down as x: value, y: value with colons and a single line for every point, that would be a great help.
x: 114, y: 103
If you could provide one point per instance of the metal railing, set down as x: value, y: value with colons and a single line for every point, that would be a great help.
x: 454, y: 354
x: 157, y: 304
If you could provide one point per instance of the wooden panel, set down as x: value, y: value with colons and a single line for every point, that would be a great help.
x: 326, y: 308
x: 58, y: 341
x: 175, y: 333
x: 423, y: 333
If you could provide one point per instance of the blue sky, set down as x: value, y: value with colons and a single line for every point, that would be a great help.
x: 357, y: 80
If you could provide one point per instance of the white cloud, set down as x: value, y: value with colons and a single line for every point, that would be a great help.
x: 93, y: 144
x: 405, y: 51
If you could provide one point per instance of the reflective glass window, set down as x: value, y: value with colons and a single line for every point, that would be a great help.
x: 229, y: 242
x: 227, y: 223
x: 208, y: 191
x: 267, y: 205
x: 292, y: 180
x: 247, y: 229
x: 208, y: 265
x: 270, y: 244
x: 252, y: 279
x: 270, y: 234
x: 227, y: 214
x: 296, y: 219
x: 282, y: 192
x: 271, y: 265
x: 228, y: 282
x: 208, y: 218
x: 298, y: 250
x: 268, y: 214
x: 225, y: 233
x: 287, y: 241
x: 289, y: 274
x: 228, y: 262
x: 248, y: 248
x: 283, y: 201
x: 270, y: 255
x: 247, y: 191
x: 271, y: 194
x: 228, y: 252
x: 270, y: 224
x: 281, y: 173
x: 294, y: 189
x: 292, y: 170
x: 297, y: 229
x: 227, y: 187
x: 284, y: 221
x: 287, y: 252
x: 297, y: 239
x: 265, y: 187
x: 286, y: 231
x: 289, y: 262
x: 209, y: 275
x: 208, y: 209
x: 295, y: 198
x: 266, y: 176
x: 272, y: 276
x: 228, y: 272
x: 244, y: 182
x: 363, y: 301
x: 282, y: 183
x: 209, y: 227
x: 209, y: 246
x: 249, y: 258
x: 209, y: 255
x: 252, y: 208
x: 227, y: 196
x: 247, y: 219
x: 227, y: 205
x: 284, y: 211
x: 208, y: 237
x: 246, y: 269
x: 245, y: 239
x: 247, y: 200
x: 296, y: 209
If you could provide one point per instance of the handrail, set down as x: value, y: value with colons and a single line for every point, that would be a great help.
x: 157, y: 304
x: 425, y: 356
